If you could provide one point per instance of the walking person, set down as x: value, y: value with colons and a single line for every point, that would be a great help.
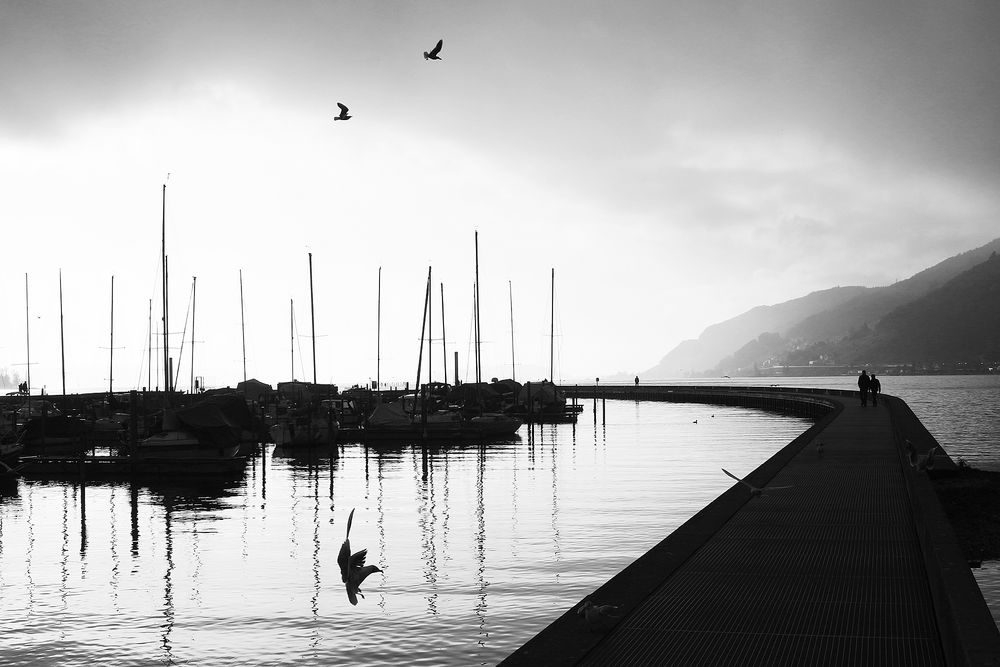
x: 875, y: 387
x: 864, y: 384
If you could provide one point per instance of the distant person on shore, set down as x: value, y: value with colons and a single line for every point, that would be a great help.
x: 875, y: 387
x: 864, y: 384
x: 637, y: 380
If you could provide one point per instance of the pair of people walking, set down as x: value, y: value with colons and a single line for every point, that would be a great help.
x: 869, y: 386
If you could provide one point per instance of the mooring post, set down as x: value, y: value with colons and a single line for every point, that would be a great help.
x: 604, y: 410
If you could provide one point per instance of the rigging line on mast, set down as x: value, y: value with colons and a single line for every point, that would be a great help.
x: 180, y: 354
x: 298, y: 341
x: 472, y: 334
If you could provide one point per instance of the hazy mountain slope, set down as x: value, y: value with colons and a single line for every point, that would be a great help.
x: 722, y: 339
x: 825, y: 316
x: 872, y: 305
x: 959, y: 321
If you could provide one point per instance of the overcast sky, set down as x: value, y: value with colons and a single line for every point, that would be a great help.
x: 676, y: 163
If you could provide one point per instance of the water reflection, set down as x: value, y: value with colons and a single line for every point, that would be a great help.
x: 483, y: 544
x: 168, y: 579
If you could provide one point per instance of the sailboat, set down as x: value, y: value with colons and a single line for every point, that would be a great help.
x: 543, y: 402
x: 201, y: 430
x: 313, y: 422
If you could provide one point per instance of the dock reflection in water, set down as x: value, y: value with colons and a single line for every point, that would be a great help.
x: 482, y: 545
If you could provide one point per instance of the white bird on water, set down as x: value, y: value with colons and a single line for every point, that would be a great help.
x: 754, y: 491
x: 344, y: 115
x: 433, y: 53
x: 353, y: 570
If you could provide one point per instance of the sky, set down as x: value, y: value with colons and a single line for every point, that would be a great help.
x: 675, y: 164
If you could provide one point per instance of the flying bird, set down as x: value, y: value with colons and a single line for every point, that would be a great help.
x: 343, y: 113
x: 598, y: 616
x: 433, y: 53
x: 911, y: 454
x: 754, y: 491
x: 353, y: 570
x: 921, y: 462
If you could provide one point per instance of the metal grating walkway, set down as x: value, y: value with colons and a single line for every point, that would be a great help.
x: 828, y: 572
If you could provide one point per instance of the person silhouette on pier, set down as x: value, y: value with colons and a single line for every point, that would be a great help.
x: 864, y: 384
x: 875, y: 388
x: 636, y: 380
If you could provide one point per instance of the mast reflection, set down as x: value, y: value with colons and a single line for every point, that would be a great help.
x: 480, y: 547
x: 168, y: 591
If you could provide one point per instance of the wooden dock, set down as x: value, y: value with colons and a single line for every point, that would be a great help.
x: 855, y: 564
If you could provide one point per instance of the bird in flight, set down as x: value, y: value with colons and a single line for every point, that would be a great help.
x: 433, y: 53
x: 754, y: 491
x: 353, y: 570
x: 918, y: 461
x: 343, y: 113
x: 598, y: 616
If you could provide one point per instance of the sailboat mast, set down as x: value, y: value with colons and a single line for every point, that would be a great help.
x: 243, y: 329
x: 312, y: 315
x: 444, y: 342
x: 479, y: 372
x: 291, y: 332
x: 62, y: 342
x: 552, y: 329
x: 149, y: 349
x: 27, y: 332
x: 510, y: 293
x: 194, y: 296
x: 423, y: 329
x: 166, y: 344
x: 111, y: 349
x: 378, y: 334
x: 430, y: 328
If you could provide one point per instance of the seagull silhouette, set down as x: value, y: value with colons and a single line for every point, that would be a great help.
x: 920, y: 461
x: 343, y: 113
x: 754, y: 491
x: 353, y: 570
x: 598, y: 616
x: 433, y: 53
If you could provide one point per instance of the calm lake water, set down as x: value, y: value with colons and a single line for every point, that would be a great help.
x: 482, y: 546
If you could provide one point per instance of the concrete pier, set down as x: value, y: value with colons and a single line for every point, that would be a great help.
x: 853, y: 564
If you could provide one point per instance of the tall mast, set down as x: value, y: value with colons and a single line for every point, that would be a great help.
x: 552, y: 329
x: 291, y: 332
x: 194, y: 296
x: 62, y: 344
x: 510, y: 292
x: 479, y: 371
x: 149, y: 352
x: 378, y: 334
x: 312, y: 314
x: 111, y: 349
x: 444, y: 342
x: 243, y: 329
x: 27, y: 331
x: 430, y: 328
x: 423, y: 328
x: 166, y: 324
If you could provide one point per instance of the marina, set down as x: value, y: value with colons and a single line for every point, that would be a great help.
x: 168, y: 572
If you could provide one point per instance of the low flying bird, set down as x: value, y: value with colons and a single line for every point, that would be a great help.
x: 433, y: 53
x: 353, y: 570
x: 926, y: 462
x: 754, y: 491
x: 598, y: 616
x: 911, y: 454
x: 343, y: 113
